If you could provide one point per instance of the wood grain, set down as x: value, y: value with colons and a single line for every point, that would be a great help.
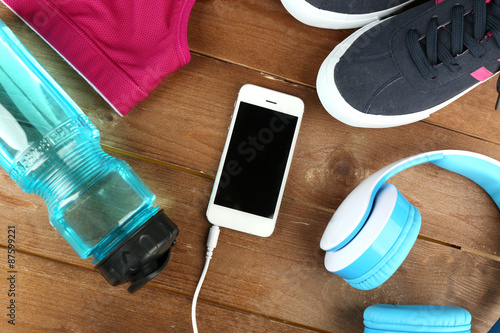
x: 301, y: 49
x: 173, y: 140
x: 276, y: 277
x: 57, y: 297
x: 173, y: 126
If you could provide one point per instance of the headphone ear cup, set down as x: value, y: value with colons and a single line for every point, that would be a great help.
x: 395, y: 256
x: 391, y: 261
x: 383, y: 243
x: 416, y: 318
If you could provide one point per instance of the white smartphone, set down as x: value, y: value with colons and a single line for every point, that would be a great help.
x: 255, y: 161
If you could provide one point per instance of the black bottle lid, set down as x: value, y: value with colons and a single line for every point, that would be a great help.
x: 142, y: 255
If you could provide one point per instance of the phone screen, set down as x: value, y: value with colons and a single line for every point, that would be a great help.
x: 256, y: 160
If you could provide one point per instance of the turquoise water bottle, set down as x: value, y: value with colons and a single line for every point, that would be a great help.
x: 95, y: 201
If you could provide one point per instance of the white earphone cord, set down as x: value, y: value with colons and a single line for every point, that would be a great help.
x: 213, y: 236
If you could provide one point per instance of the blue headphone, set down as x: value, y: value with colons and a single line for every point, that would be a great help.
x: 374, y: 229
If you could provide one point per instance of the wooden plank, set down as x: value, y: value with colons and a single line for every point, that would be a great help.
x: 183, y: 98
x: 220, y: 32
x: 280, y: 277
x: 53, y: 296
x: 471, y: 114
x: 330, y: 160
x: 263, y: 36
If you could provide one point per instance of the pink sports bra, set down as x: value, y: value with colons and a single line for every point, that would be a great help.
x: 123, y: 48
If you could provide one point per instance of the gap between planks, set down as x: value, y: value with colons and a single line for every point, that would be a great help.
x: 298, y: 202
x: 274, y: 77
x: 238, y: 309
x: 182, y: 294
x: 267, y: 75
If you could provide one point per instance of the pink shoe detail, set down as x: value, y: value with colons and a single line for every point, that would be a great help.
x: 481, y: 74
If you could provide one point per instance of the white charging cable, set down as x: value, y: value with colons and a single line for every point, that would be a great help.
x: 213, y: 236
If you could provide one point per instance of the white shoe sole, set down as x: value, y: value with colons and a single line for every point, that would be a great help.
x: 336, y: 105
x: 310, y: 15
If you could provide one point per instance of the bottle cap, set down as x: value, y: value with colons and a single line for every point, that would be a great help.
x: 142, y: 255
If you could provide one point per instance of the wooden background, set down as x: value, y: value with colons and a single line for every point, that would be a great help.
x: 174, y: 139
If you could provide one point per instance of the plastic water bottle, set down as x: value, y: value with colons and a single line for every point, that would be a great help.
x: 96, y: 202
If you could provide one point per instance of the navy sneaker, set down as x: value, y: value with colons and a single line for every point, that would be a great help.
x: 341, y: 14
x: 404, y: 68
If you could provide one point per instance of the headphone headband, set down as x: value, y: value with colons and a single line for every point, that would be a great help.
x: 355, y: 209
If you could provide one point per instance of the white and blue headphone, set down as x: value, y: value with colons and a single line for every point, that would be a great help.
x: 374, y: 229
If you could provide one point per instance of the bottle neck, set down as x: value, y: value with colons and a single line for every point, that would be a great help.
x: 65, y: 159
